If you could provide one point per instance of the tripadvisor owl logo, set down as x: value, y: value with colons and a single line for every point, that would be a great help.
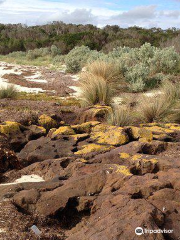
x: 139, y: 231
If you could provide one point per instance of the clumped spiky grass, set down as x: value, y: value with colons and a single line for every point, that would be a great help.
x: 95, y: 90
x: 8, y: 92
x: 109, y: 71
x: 161, y: 106
x: 120, y: 116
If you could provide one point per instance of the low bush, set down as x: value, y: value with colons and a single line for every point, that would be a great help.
x: 55, y: 51
x: 73, y: 66
x: 77, y: 58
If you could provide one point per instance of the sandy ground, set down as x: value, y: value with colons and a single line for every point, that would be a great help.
x: 25, y: 179
x: 37, y: 79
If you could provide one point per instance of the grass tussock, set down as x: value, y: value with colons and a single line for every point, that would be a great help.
x: 95, y: 90
x: 109, y: 71
x: 8, y: 92
x: 120, y: 116
x: 161, y: 106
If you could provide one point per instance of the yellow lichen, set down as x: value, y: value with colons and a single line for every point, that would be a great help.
x: 84, y: 127
x: 105, y: 134
x: 82, y: 136
x: 159, y: 130
x: 47, y: 122
x: 92, y: 148
x: 176, y: 128
x: 121, y: 169
x: 65, y: 130
x: 141, y: 133
x: 9, y: 128
x: 83, y: 160
x: 136, y: 157
x: 124, y: 155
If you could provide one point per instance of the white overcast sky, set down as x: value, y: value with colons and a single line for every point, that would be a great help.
x: 125, y: 13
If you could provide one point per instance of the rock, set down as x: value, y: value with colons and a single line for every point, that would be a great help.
x: 151, y: 148
x: 45, y: 148
x: 9, y: 128
x: 95, y: 113
x: 105, y: 134
x: 47, y: 122
x: 140, y: 133
x: 65, y: 130
x: 31, y: 197
x: 8, y: 160
x: 91, y: 148
x: 80, y: 137
x: 84, y: 127
x: 61, y: 168
x: 36, y: 132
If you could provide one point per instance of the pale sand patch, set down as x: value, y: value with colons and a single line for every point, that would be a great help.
x: 2, y: 230
x: 25, y: 179
x: 16, y: 70
x: 77, y: 90
x: 75, y: 77
x: 153, y: 93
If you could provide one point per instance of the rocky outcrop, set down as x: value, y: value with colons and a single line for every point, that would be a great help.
x: 101, y: 181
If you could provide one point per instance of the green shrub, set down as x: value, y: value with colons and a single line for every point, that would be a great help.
x: 73, y: 66
x: 77, y: 58
x: 18, y: 54
x: 137, y: 77
x: 55, y: 51
x: 59, y: 59
x: 8, y: 92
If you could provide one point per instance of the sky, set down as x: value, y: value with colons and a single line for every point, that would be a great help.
x: 125, y: 13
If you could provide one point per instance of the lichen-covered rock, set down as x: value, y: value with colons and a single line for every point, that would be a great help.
x: 141, y: 133
x: 47, y: 122
x: 121, y: 169
x: 142, y: 165
x: 89, y: 148
x: 9, y: 128
x: 80, y: 137
x: 112, y: 135
x: 84, y: 127
x: 37, y: 131
x: 95, y: 113
x: 64, y: 130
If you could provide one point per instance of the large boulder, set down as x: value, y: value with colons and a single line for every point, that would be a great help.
x: 46, y: 148
x: 112, y: 135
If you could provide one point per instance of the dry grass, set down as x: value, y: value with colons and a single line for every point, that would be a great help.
x: 121, y: 116
x: 95, y: 90
x: 160, y: 107
x: 109, y: 71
